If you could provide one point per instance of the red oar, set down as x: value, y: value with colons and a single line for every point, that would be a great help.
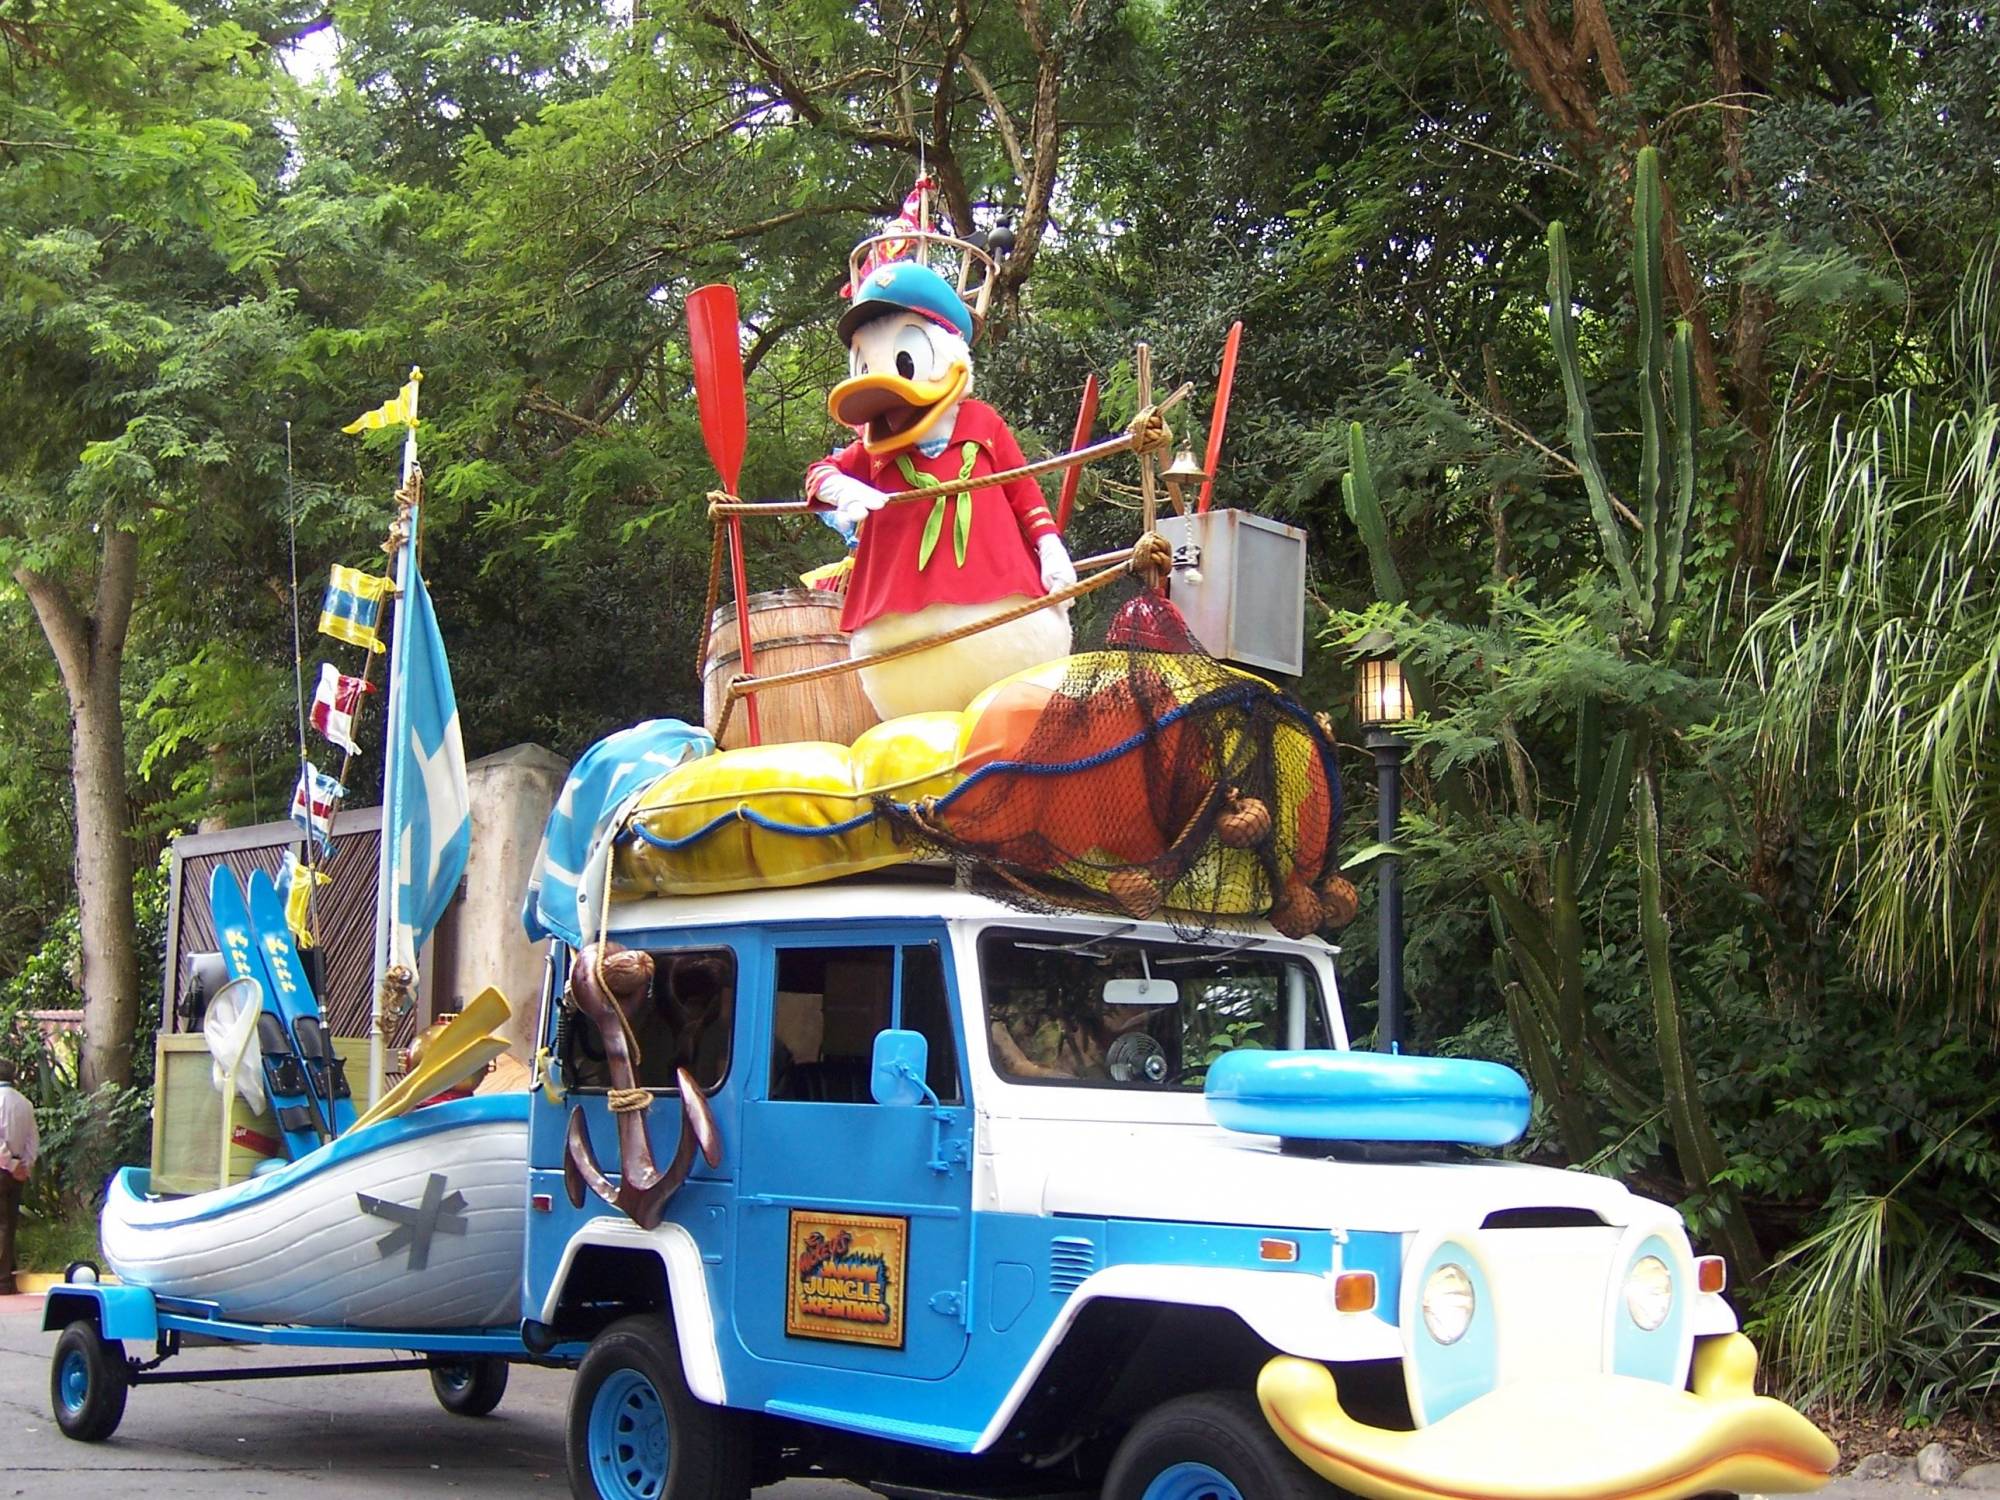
x: 713, y: 333
x: 1215, y: 423
x: 1086, y: 416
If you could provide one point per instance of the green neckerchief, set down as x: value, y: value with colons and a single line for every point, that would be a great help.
x: 961, y: 510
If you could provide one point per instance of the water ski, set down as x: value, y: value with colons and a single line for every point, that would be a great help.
x: 284, y: 1078
x: 326, y: 1073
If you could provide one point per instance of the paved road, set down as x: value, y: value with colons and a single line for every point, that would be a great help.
x: 361, y: 1436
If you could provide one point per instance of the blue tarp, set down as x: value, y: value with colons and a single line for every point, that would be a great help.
x: 568, y: 871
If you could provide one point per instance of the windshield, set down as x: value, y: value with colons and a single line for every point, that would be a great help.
x: 1116, y: 1012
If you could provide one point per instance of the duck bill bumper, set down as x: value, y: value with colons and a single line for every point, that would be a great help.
x: 1592, y: 1437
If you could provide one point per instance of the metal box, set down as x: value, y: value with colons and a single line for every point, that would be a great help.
x: 1249, y: 605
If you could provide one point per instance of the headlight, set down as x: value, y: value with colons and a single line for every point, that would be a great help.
x: 1448, y: 1303
x: 1649, y: 1292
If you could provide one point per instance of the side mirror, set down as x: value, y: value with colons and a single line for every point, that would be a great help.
x: 900, y: 1062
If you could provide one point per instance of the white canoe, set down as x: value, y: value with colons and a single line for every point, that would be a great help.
x: 413, y: 1222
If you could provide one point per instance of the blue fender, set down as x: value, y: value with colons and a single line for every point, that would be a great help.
x: 120, y: 1312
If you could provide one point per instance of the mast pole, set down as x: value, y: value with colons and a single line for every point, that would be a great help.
x: 392, y: 783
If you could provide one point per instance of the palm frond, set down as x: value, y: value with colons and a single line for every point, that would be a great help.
x: 1880, y: 664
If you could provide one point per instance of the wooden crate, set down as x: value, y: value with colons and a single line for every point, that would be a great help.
x: 187, y: 1114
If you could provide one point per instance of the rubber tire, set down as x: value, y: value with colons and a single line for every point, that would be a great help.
x: 96, y: 1415
x: 708, y: 1447
x: 1225, y: 1430
x: 469, y: 1387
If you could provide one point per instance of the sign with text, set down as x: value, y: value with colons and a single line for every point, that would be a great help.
x: 846, y: 1278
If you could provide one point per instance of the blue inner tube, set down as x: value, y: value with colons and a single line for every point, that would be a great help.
x: 1191, y: 1482
x: 628, y: 1438
x: 1367, y: 1096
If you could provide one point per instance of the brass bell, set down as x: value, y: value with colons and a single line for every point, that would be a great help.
x: 1184, y: 470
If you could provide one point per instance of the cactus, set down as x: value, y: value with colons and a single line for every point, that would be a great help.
x: 1662, y: 503
x: 1664, y: 499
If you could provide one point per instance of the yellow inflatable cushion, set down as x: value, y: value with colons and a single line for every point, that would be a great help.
x: 750, y: 818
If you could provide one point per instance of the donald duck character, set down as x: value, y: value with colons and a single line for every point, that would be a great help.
x: 921, y: 568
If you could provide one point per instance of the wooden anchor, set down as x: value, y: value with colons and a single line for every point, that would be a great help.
x: 609, y: 980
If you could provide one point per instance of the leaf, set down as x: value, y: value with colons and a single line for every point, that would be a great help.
x: 1371, y: 853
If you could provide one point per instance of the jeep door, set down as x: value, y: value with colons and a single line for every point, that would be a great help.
x: 854, y: 1230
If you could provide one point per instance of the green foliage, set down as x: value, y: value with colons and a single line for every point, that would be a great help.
x: 1879, y: 659
x: 85, y: 1136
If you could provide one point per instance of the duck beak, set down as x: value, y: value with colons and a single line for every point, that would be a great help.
x: 1621, y: 1438
x: 892, y: 413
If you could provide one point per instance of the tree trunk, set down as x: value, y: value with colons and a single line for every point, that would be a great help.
x: 104, y: 885
x: 90, y: 652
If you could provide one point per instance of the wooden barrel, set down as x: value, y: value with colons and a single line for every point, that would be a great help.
x: 789, y: 629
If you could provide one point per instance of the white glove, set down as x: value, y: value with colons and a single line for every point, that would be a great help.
x: 852, y: 499
x: 1058, y: 572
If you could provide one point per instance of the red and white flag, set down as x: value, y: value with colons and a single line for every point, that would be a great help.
x: 335, y: 703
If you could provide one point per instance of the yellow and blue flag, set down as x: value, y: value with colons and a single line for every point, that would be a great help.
x: 400, y: 410
x: 352, y: 608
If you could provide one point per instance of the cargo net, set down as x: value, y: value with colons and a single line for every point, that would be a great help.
x: 1148, y: 779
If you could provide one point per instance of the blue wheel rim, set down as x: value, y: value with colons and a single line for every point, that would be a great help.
x: 73, y: 1381
x: 455, y: 1378
x: 1191, y: 1482
x: 628, y: 1438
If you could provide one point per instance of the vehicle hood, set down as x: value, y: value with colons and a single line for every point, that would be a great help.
x: 1202, y: 1174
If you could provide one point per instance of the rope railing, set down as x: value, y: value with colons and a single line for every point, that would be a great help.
x: 1146, y: 433
x: 1152, y: 551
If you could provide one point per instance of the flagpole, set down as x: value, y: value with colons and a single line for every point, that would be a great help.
x: 392, y: 787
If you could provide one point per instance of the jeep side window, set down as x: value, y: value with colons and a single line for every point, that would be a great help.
x: 831, y: 1002
x: 683, y: 1021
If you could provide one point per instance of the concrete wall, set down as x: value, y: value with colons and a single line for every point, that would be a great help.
x: 480, y: 942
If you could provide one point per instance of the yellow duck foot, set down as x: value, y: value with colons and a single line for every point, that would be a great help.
x: 1593, y: 1437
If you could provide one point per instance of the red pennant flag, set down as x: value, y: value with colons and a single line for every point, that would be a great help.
x: 335, y: 703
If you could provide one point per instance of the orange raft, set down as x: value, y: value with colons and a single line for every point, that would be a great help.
x: 1140, y: 780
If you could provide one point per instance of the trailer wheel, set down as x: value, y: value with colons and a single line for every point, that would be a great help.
x: 469, y: 1387
x: 1215, y: 1446
x: 87, y: 1383
x: 636, y: 1432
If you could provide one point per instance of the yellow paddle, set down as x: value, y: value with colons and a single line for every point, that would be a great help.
x: 462, y: 1049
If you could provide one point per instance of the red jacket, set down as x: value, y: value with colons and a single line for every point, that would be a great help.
x: 1007, y: 522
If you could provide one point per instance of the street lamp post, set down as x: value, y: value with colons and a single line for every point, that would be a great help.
x: 1381, y: 698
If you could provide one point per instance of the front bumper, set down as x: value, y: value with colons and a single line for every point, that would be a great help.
x: 1593, y: 1437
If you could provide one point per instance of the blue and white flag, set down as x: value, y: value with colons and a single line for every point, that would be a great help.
x: 315, y: 800
x: 569, y: 870
x: 432, y: 805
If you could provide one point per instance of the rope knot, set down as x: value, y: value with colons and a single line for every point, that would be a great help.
x: 1152, y: 555
x: 1150, y: 432
x: 628, y: 1101
x: 717, y: 498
